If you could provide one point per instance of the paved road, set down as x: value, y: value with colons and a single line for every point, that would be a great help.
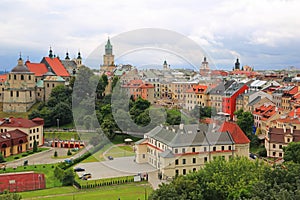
x: 44, y: 157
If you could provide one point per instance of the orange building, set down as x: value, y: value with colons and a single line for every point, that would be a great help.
x: 137, y: 88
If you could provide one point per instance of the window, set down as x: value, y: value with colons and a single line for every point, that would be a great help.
x: 274, y: 146
x: 223, y: 148
x: 53, y: 85
x: 214, y: 148
x: 205, y: 149
x: 183, y: 161
x: 193, y: 149
x: 47, y: 84
x: 184, y: 171
x: 280, y: 154
x: 37, y: 137
x: 34, y: 137
x: 30, y: 131
x: 194, y: 169
x: 183, y: 150
x: 288, y: 140
x: 33, y: 130
x: 229, y: 147
x: 11, y: 93
x: 176, y: 172
x: 30, y: 138
x: 205, y: 159
x: 22, y: 77
x: 30, y: 94
x: 15, y: 77
x: 29, y: 77
x: 176, y: 162
x: 194, y: 160
x: 144, y: 156
x: 274, y: 153
x: 176, y: 150
x: 280, y: 146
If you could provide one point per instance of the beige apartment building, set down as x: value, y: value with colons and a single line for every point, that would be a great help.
x: 181, y: 149
x: 33, y: 128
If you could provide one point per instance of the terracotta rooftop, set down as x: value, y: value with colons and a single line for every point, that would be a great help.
x: 57, y: 66
x: 235, y: 131
x: 3, y: 77
x: 39, y: 69
x: 21, y: 122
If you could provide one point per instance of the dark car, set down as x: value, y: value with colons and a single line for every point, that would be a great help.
x: 79, y: 169
x: 253, y: 156
x: 110, y: 157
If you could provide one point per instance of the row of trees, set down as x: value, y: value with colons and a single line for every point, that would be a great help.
x: 238, y: 178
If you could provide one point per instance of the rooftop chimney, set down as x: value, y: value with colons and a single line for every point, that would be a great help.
x: 181, y: 126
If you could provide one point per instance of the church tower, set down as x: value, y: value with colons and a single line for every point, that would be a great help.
x: 19, y: 89
x: 108, y: 58
x: 237, y: 65
x: 78, y: 60
x: 166, y: 66
x: 204, y: 69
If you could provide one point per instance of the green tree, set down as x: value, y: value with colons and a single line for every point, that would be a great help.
x: 69, y: 153
x: 35, y: 146
x: 68, y: 177
x: 108, y: 127
x: 173, y: 117
x: 1, y: 158
x: 245, y: 122
x: 55, y: 154
x: 292, y: 152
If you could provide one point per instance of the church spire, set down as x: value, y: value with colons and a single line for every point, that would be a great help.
x: 237, y: 64
x: 67, y: 56
x: 79, y: 55
x: 50, y: 53
x: 108, y: 48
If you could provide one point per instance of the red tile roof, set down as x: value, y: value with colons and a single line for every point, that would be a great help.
x: 39, y: 69
x: 235, y: 131
x: 3, y: 77
x: 20, y: 122
x: 57, y: 66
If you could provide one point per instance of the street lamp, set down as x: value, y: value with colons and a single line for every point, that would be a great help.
x: 57, y: 123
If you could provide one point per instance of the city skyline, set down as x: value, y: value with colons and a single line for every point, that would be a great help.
x: 262, y: 34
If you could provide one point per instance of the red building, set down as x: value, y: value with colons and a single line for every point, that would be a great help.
x: 229, y: 97
x: 23, y: 181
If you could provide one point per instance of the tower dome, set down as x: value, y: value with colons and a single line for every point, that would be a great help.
x: 20, y: 68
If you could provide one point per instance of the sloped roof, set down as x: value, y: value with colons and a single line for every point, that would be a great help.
x: 57, y: 66
x: 37, y: 68
x: 235, y: 131
x: 54, y: 78
x: 18, y: 122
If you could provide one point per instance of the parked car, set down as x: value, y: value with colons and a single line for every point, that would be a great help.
x: 110, y: 157
x: 253, y: 156
x: 79, y: 169
x: 86, y: 176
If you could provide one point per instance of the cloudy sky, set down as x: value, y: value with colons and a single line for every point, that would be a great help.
x: 264, y: 34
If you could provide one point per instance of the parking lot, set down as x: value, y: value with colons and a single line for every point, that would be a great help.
x: 123, y: 166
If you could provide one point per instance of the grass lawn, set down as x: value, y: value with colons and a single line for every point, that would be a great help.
x: 119, y: 138
x: 24, y: 154
x: 47, y: 169
x: 120, y: 151
x: 124, y: 192
x: 61, y: 135
x: 98, y: 156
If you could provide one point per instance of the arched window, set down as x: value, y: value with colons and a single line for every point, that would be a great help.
x: 3, y: 146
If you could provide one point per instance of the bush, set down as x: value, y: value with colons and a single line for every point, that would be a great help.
x: 69, y: 153
x: 262, y: 152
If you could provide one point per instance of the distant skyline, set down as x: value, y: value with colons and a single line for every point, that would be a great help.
x: 263, y: 34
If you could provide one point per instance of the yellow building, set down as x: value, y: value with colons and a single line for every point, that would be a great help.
x: 13, y: 142
x: 33, y: 128
x: 181, y: 149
